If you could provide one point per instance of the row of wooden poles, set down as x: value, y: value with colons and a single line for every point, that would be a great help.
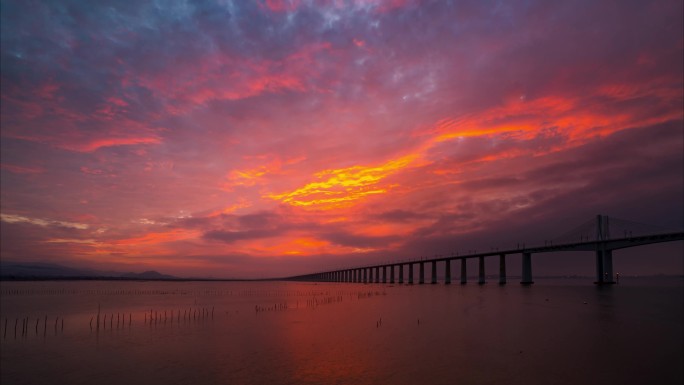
x: 162, y: 317
x: 26, y: 324
x: 318, y: 301
x: 155, y: 317
x: 190, y: 314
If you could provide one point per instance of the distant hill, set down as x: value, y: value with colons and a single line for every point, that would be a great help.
x: 39, y: 270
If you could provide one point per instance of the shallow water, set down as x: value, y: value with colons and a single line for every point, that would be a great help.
x: 560, y: 332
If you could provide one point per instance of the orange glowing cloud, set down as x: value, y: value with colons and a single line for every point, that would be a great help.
x: 519, y: 120
x: 160, y: 237
x: 254, y: 175
x: 295, y: 245
x: 342, y: 187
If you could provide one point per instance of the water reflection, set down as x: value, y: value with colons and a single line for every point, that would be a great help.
x: 340, y: 333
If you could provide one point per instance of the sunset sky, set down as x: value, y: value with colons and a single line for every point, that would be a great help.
x: 270, y: 138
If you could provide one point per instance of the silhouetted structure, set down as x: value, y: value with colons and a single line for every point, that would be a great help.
x: 594, y: 235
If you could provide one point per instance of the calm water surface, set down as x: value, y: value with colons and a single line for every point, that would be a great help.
x: 555, y: 332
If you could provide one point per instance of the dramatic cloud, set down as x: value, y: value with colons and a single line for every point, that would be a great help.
x: 267, y: 138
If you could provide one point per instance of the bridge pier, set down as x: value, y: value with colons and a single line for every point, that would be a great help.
x: 384, y: 274
x: 481, y: 280
x: 527, y: 269
x: 502, y: 269
x: 599, y: 267
x: 464, y: 275
x: 608, y: 267
x: 434, y: 272
x: 604, y: 267
x: 447, y: 272
x: 392, y: 274
x: 410, y: 269
x: 377, y: 274
x: 401, y: 274
x: 421, y: 277
x: 365, y: 275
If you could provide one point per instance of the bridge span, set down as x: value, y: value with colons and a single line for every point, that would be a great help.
x: 593, y: 236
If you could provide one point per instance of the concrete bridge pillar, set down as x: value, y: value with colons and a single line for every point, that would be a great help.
x: 434, y: 273
x: 481, y: 279
x: 391, y: 274
x: 354, y: 278
x: 502, y: 269
x: 377, y: 274
x: 410, y: 271
x: 608, y: 266
x: 527, y: 269
x: 447, y: 272
x: 401, y: 273
x: 421, y: 277
x: 464, y: 274
x: 370, y: 276
x: 599, y: 267
x: 384, y: 274
x: 365, y: 275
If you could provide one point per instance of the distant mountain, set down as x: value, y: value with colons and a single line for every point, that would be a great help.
x: 148, y: 275
x: 39, y: 270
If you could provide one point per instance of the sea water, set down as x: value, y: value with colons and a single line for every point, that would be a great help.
x: 553, y: 332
